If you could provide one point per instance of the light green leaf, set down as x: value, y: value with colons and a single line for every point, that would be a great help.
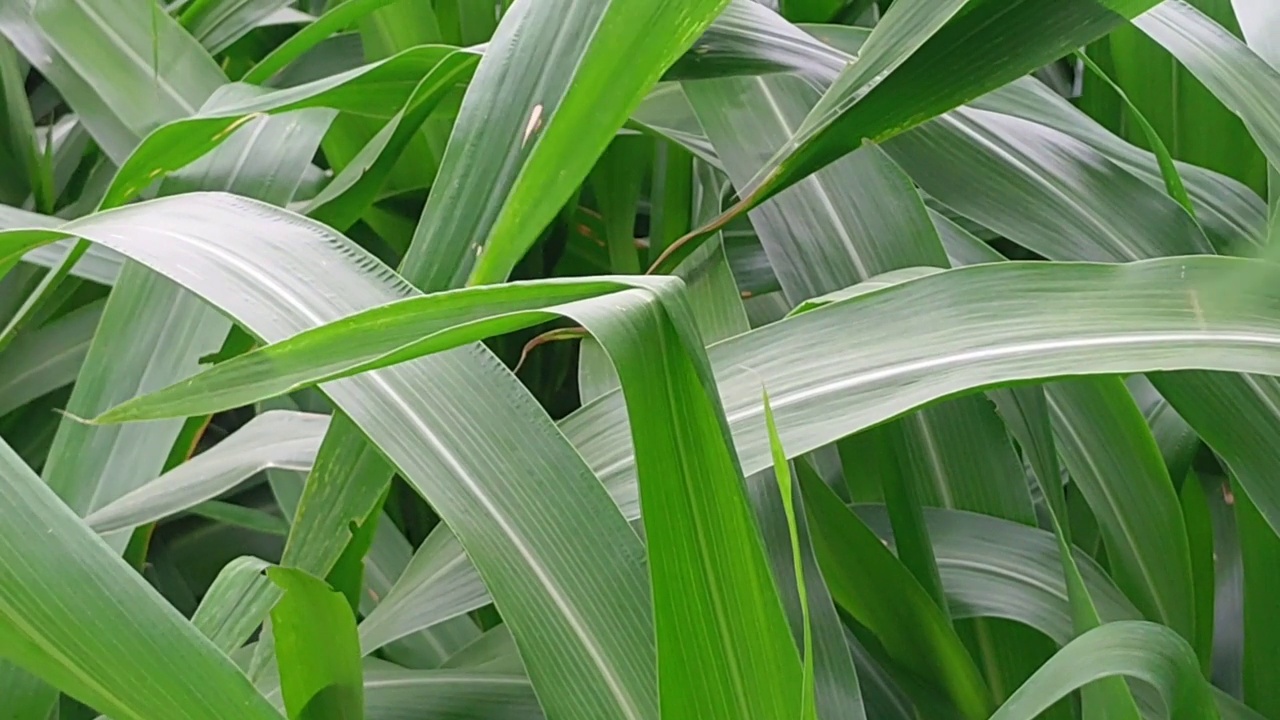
x: 786, y: 490
x: 379, y: 89
x: 1115, y: 462
x: 218, y: 615
x: 558, y: 80
x: 1244, y: 82
x: 1141, y: 650
x: 95, y: 629
x: 317, y: 653
x: 45, y: 359
x: 880, y: 594
x: 580, y: 599
x: 921, y: 66
x: 278, y: 439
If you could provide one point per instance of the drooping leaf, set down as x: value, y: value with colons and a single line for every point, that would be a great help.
x: 1141, y: 650
x: 566, y: 596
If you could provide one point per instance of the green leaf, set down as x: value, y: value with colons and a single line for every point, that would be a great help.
x: 706, y: 559
x: 379, y: 89
x: 20, y: 147
x: 1140, y: 650
x: 1115, y: 462
x: 782, y: 471
x: 48, y: 358
x: 317, y: 652
x: 578, y: 598
x: 277, y: 439
x: 119, y: 646
x: 880, y: 594
x: 219, y: 23
x: 218, y: 615
x: 1260, y: 550
x: 557, y: 82
x: 920, y: 64
x: 312, y: 34
x: 1242, y: 81
x: 101, y: 57
x: 856, y: 218
x: 438, y: 584
x: 408, y: 328
x: 154, y: 331
x: 356, y: 186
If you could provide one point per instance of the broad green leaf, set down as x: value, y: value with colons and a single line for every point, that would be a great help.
x: 379, y: 89
x: 1258, y: 22
x: 20, y: 147
x: 1140, y: 650
x: 1186, y: 115
x: 615, y: 183
x: 861, y: 217
x: 494, y: 648
x: 95, y: 629
x: 1197, y: 516
x: 437, y: 584
x: 1115, y: 462
x: 1153, y: 320
x: 1226, y: 208
x: 747, y: 38
x: 1168, y: 168
x: 558, y: 80
x: 837, y: 384
x: 921, y: 66
x: 1244, y: 82
x: 317, y: 652
x: 395, y: 693
x: 671, y: 196
x: 45, y: 359
x: 409, y: 328
x: 312, y: 34
x: 1177, y: 441
x: 996, y: 568
x: 101, y: 56
x: 27, y: 696
x: 879, y: 593
x: 217, y: 24
x: 155, y: 331
x: 239, y: 517
x: 1093, y: 203
x: 724, y: 648
x: 581, y: 598
x: 811, y: 10
x: 472, y: 20
x: 356, y: 186
x: 1260, y: 550
x: 278, y: 439
x: 218, y: 615
x: 98, y: 264
x: 387, y: 560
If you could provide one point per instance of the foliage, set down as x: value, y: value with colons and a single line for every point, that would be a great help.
x: 638, y: 359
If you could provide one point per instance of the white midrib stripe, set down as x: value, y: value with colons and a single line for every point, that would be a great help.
x: 567, y: 609
x: 868, y: 377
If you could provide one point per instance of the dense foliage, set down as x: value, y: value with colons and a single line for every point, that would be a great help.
x: 639, y: 359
